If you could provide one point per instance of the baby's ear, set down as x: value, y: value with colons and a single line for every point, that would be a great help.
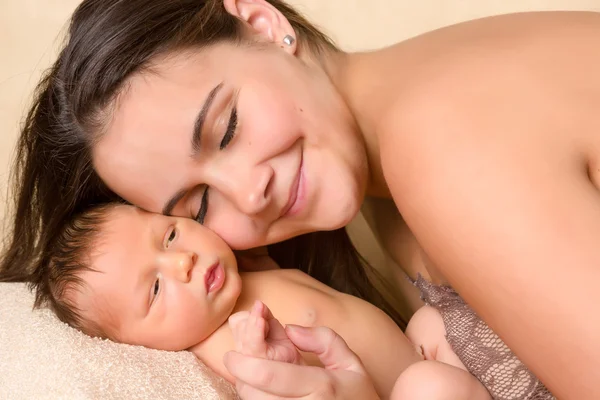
x: 249, y: 262
x: 264, y: 19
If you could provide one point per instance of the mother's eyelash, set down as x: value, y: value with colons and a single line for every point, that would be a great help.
x: 231, y: 127
x: 203, y: 207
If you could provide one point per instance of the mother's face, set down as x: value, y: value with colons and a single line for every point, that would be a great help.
x: 249, y: 141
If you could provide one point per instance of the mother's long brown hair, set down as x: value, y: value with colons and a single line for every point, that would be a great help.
x: 53, y: 179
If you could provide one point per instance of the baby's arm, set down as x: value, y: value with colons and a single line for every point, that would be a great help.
x: 435, y: 380
x: 441, y: 375
x: 427, y: 332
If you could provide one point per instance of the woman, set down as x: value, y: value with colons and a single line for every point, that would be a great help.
x: 240, y: 114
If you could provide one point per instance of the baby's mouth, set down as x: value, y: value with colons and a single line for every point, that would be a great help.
x: 214, y: 277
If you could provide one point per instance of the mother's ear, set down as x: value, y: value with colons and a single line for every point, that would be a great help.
x: 266, y: 20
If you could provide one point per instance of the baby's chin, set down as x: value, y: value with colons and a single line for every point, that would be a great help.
x: 234, y: 289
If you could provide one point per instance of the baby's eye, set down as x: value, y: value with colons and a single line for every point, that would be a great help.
x: 156, y: 288
x: 172, y: 234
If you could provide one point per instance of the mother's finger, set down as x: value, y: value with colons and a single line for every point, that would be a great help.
x: 332, y: 350
x: 247, y: 392
x: 277, y: 378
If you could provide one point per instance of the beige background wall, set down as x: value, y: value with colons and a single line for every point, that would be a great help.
x: 29, y: 31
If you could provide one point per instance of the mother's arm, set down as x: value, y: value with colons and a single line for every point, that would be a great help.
x: 512, y: 220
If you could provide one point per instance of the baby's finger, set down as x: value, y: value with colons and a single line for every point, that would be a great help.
x: 266, y: 311
x: 273, y: 329
x: 255, y: 333
x: 260, y: 309
x: 240, y: 337
x: 237, y: 324
x: 234, y: 319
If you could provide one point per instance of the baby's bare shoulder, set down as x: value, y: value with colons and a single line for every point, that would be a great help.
x: 293, y: 296
x: 293, y: 279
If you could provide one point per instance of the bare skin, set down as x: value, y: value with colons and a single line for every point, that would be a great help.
x: 525, y: 146
x: 295, y: 298
x: 484, y: 135
x: 439, y: 376
x: 168, y: 283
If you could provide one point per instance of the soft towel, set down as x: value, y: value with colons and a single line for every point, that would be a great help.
x: 43, y: 358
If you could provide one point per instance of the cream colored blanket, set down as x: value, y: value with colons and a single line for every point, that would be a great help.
x: 42, y: 358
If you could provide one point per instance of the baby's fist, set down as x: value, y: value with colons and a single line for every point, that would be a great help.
x: 257, y: 333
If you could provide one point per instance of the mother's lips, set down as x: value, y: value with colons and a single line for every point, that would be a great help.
x: 293, y: 192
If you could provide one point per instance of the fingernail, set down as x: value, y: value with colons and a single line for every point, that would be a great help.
x: 257, y: 306
x: 296, y: 329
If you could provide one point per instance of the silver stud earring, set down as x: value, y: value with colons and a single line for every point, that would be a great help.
x: 288, y: 40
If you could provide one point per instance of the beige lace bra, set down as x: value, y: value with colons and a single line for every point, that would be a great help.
x: 483, y: 353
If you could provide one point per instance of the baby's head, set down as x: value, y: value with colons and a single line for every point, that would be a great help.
x: 121, y: 273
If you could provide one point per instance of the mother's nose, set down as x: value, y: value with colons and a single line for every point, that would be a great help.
x: 249, y: 189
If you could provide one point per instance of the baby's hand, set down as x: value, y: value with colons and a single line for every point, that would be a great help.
x: 257, y: 333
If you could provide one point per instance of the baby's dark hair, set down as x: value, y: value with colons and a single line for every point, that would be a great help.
x: 58, y: 278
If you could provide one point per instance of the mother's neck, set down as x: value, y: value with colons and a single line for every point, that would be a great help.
x: 364, y: 82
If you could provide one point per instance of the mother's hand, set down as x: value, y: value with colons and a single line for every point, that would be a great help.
x: 343, y: 375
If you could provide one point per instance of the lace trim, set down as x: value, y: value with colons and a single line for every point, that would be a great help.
x: 483, y: 353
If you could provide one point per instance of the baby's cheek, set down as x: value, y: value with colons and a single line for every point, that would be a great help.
x: 203, y: 323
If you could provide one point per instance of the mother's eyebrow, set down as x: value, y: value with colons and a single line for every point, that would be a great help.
x: 201, y: 117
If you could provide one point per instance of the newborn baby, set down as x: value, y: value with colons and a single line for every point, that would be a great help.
x: 168, y: 283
